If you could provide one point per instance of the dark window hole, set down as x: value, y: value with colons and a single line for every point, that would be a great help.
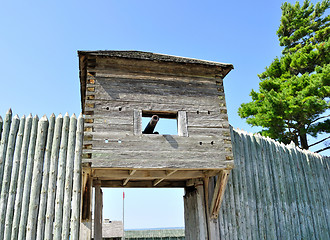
x: 200, y: 143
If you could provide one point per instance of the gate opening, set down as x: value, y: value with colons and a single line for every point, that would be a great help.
x: 142, y: 210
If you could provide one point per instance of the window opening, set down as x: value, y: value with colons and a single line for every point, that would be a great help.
x: 164, y: 123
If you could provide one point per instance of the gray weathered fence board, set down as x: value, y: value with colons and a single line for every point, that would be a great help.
x: 76, y: 188
x: 45, y: 180
x: 30, y: 164
x: 283, y: 192
x: 57, y: 230
x: 4, y: 143
x: 14, y: 178
x: 21, y: 177
x: 7, y: 173
x: 68, y: 177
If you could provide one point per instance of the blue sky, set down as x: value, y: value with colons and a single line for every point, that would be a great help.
x: 39, y: 64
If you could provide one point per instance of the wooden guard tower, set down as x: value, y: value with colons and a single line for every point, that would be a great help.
x: 118, y: 88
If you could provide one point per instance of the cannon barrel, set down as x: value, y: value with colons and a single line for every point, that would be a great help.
x: 151, y: 125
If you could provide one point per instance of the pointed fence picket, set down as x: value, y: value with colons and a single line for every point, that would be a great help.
x: 32, y: 151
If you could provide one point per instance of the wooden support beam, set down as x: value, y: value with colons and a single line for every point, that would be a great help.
x: 118, y: 174
x: 126, y: 181
x: 168, y: 173
x: 86, y: 202
x: 98, y: 207
x: 218, y: 193
x: 130, y: 173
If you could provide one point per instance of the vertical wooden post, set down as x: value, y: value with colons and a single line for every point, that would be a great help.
x: 4, y: 142
x: 13, y: 182
x: 98, y: 207
x: 45, y: 180
x: 52, y: 178
x: 7, y: 173
x: 137, y: 122
x: 194, y: 212
x: 201, y: 205
x: 36, y: 179
x: 61, y: 178
x: 27, y: 180
x: 76, y: 188
x: 68, y: 178
x: 86, y: 204
x: 182, y: 124
x: 21, y: 176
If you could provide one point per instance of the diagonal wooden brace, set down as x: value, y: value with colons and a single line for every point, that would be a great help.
x: 218, y: 193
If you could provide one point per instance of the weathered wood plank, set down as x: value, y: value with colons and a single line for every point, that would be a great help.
x: 194, y: 101
x: 52, y: 178
x: 268, y: 208
x: 304, y: 201
x: 144, y: 184
x: 182, y: 124
x: 182, y: 159
x: 21, y: 177
x: 68, y: 178
x: 13, y: 182
x: 45, y: 180
x: 195, y: 214
x: 7, y: 173
x: 218, y: 193
x: 98, y: 208
x: 57, y: 229
x: 76, y: 188
x: 310, y: 177
x: 190, y: 104
x: 320, y: 168
x: 137, y: 122
x: 114, y: 73
x: 238, y: 179
x: 158, y: 142
x: 36, y: 179
x: 149, y: 174
x: 4, y: 143
x: 28, y: 179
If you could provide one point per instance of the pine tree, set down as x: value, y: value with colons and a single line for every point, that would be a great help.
x: 294, y: 91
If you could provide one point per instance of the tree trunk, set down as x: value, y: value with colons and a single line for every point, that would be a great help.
x: 303, y: 141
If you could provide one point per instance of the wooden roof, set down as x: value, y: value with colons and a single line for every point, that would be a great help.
x: 152, y: 57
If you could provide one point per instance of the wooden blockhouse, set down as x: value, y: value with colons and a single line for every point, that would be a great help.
x: 118, y: 88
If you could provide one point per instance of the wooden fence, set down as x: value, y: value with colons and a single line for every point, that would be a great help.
x: 275, y: 191
x: 40, y: 174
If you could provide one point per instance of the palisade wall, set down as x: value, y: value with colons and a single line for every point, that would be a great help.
x: 40, y: 174
x: 275, y: 191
